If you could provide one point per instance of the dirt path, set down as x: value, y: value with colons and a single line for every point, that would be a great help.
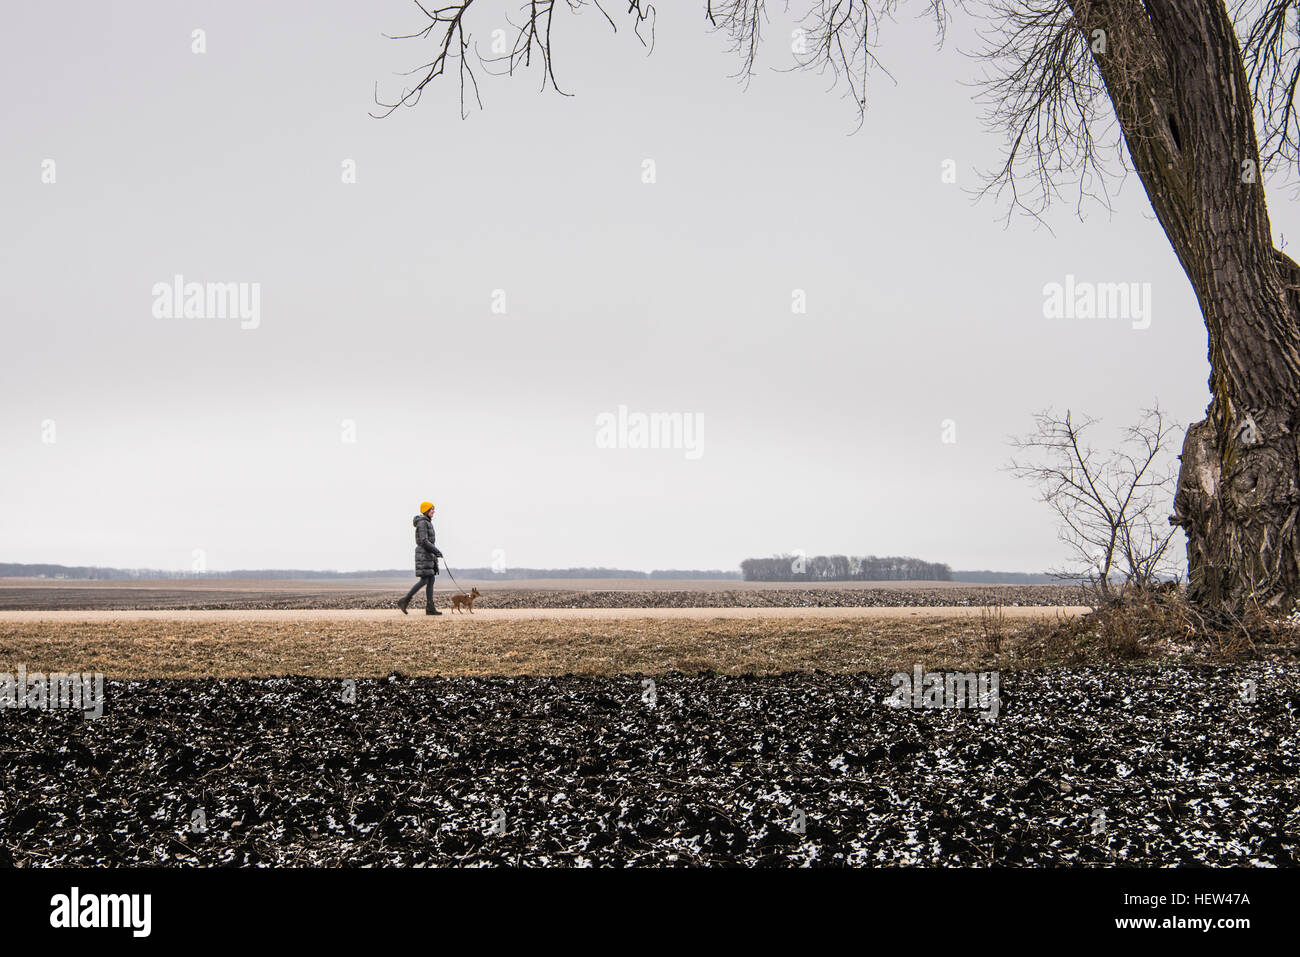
x: 525, y: 614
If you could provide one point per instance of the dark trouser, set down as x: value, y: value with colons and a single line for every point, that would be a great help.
x: 425, y: 582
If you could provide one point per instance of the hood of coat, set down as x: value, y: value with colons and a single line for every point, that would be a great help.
x: 420, y: 518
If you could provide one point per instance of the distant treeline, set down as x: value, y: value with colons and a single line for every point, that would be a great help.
x: 14, y: 570
x: 11, y: 570
x: 842, y: 568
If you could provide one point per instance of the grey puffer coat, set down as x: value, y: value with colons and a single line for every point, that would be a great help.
x: 426, y: 552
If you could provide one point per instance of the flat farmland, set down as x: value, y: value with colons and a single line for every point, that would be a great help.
x: 785, y: 770
x: 666, y: 724
x: 236, y: 594
x: 244, y: 629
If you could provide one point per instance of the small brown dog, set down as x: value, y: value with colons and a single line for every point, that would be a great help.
x: 466, y: 600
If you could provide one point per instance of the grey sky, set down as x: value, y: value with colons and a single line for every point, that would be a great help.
x: 822, y: 430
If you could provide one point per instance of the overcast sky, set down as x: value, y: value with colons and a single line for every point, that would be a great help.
x: 134, y: 439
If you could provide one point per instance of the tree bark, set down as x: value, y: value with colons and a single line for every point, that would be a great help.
x: 1239, y: 493
x: 1173, y: 70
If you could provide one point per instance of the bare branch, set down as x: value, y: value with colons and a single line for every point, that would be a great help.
x: 533, y: 43
x: 447, y: 25
x: 1067, y: 83
x: 1270, y: 47
x: 1041, y: 88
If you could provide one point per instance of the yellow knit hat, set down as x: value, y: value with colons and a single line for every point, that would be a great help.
x: 425, y: 506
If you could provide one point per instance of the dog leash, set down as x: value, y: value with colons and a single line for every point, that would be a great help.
x: 449, y: 574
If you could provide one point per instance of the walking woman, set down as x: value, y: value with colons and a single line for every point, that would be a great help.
x: 426, y: 560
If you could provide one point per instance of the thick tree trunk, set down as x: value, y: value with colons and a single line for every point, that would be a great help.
x: 1173, y: 70
x: 1239, y: 488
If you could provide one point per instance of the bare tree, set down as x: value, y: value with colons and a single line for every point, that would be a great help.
x: 1200, y: 101
x: 1112, y: 508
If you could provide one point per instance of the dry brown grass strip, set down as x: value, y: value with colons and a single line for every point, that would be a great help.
x: 417, y: 646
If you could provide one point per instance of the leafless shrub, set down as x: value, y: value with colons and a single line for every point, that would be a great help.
x: 1112, y: 509
x: 1061, y: 643
x: 993, y: 628
x: 1125, y: 632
